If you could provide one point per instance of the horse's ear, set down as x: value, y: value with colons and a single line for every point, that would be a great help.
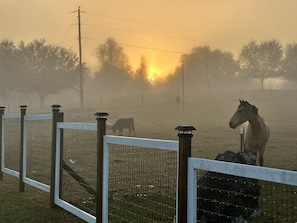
x: 243, y: 102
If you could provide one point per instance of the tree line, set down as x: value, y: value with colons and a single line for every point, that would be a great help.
x: 45, y: 69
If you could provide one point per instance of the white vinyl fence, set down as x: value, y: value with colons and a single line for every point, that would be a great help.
x: 249, y: 171
x: 9, y: 144
x: 156, y: 144
x: 42, y: 143
x: 127, y: 141
x: 58, y: 200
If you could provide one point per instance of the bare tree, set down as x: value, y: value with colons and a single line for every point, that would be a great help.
x: 142, y: 72
x: 111, y: 54
x: 141, y: 81
x: 115, y: 71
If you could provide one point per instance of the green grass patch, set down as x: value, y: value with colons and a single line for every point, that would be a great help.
x: 148, y: 207
x: 30, y: 206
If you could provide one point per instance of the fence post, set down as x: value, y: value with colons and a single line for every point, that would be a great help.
x: 241, y: 138
x: 61, y: 119
x: 21, y: 182
x: 185, y: 137
x: 101, y: 131
x: 1, y: 132
x: 56, y: 116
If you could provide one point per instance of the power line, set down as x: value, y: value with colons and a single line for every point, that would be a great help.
x: 137, y: 46
x: 69, y: 29
x: 116, y: 29
x: 42, y: 30
x: 142, y: 33
x: 167, y: 26
x: 33, y: 17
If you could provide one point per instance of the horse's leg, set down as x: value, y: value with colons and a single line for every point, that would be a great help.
x: 261, y: 159
x: 129, y: 131
x: 120, y: 132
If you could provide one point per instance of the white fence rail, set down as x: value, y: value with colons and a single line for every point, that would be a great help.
x: 285, y: 177
x: 26, y: 179
x: 58, y: 201
x: 4, y: 168
x: 167, y: 145
x: 128, y: 141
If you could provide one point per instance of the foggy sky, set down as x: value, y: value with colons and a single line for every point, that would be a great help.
x: 158, y: 29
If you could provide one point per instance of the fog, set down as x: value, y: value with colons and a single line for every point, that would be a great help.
x: 160, y: 31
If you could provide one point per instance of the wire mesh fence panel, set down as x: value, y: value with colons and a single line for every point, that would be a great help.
x: 79, y: 162
x: 142, y: 184
x: 12, y: 143
x: 277, y: 203
x: 38, y: 150
x: 227, y: 198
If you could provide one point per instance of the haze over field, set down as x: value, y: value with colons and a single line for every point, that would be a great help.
x: 159, y: 30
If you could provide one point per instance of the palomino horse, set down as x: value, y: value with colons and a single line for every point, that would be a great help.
x: 256, y: 131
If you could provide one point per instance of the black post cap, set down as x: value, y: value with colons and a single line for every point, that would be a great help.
x: 101, y: 114
x: 56, y: 107
x: 185, y: 129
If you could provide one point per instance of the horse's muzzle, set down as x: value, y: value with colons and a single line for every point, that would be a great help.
x: 231, y: 124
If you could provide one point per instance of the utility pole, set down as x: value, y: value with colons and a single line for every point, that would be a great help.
x: 183, y: 86
x: 80, y: 61
x: 208, y: 89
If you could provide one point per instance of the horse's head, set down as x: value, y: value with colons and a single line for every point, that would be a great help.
x: 242, y: 114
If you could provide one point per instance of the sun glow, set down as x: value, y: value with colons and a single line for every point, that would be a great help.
x: 159, y: 65
x: 156, y: 74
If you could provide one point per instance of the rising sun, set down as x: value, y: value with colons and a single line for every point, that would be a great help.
x: 155, y: 75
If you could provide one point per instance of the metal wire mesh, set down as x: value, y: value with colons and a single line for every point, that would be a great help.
x: 38, y: 150
x: 142, y: 184
x: 78, y: 183
x: 277, y: 203
x: 225, y: 198
x: 12, y: 143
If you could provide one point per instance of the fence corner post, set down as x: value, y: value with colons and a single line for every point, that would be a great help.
x: 21, y: 182
x: 101, y: 131
x: 185, y: 146
x: 1, y: 133
x: 56, y: 116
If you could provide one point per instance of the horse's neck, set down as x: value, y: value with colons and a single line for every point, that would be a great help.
x: 256, y: 123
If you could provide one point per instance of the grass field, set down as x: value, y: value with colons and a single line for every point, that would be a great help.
x: 156, y: 117
x: 30, y: 206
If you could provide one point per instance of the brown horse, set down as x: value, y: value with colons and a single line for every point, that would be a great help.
x: 256, y: 131
x: 124, y: 123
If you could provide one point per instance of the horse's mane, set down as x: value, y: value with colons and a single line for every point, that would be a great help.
x: 245, y: 103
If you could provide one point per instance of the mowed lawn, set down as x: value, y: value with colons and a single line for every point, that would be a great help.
x: 29, y: 206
